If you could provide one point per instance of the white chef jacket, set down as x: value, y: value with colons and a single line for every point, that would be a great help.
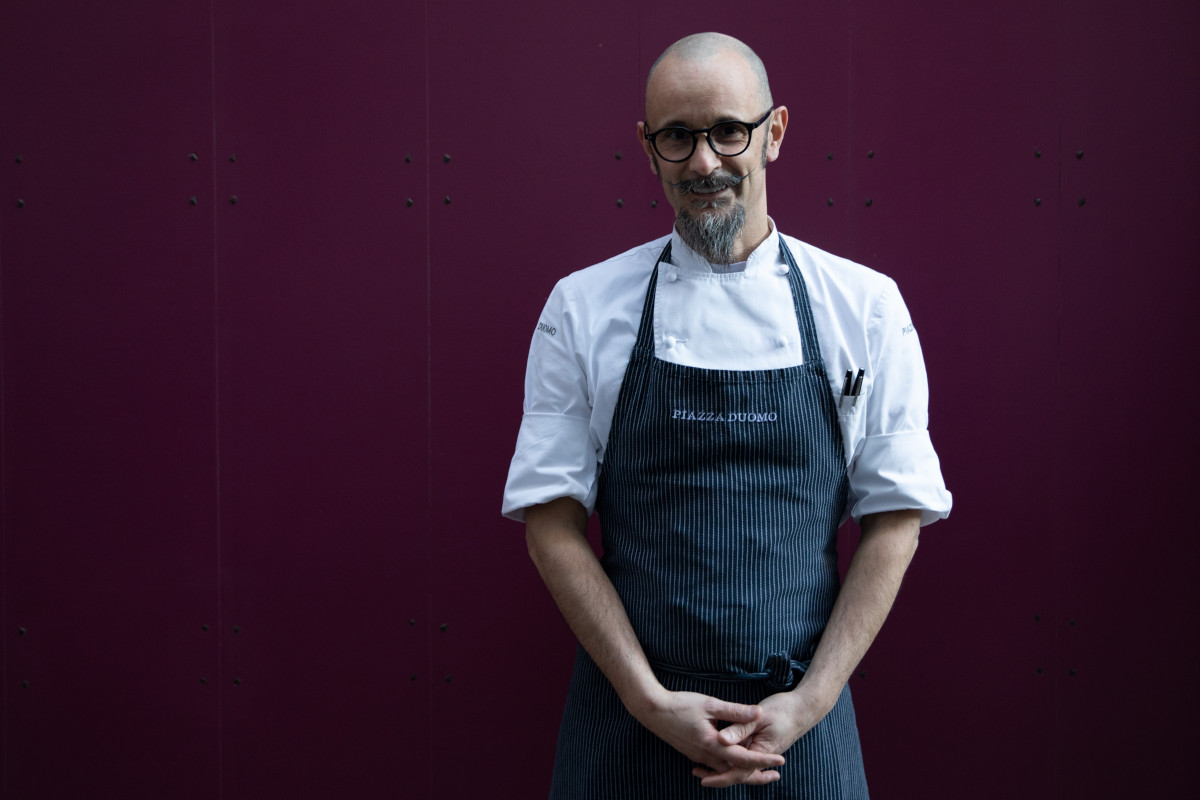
x: 736, y: 318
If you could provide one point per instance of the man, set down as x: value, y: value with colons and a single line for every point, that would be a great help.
x: 723, y: 397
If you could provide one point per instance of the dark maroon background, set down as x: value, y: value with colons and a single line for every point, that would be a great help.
x: 253, y: 449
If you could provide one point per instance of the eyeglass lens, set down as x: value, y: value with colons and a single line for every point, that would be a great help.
x: 727, y: 139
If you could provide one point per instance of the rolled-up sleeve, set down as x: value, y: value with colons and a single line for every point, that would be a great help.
x: 895, y: 466
x: 556, y: 452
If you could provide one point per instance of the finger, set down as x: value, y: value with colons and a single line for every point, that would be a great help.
x: 731, y: 712
x: 713, y: 767
x: 739, y: 756
x: 731, y: 777
x: 723, y: 777
x: 763, y: 776
x: 751, y: 778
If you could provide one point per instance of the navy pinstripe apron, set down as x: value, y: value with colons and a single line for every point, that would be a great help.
x: 719, y: 500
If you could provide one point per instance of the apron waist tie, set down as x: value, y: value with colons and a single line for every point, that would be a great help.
x: 782, y: 672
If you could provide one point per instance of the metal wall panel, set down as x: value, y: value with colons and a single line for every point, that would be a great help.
x: 1126, y: 399
x: 950, y: 105
x: 322, y: 327
x: 109, y: 547
x: 533, y: 173
x: 260, y: 444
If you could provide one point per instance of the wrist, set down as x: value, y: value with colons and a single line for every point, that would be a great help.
x: 644, y: 698
x: 815, y: 695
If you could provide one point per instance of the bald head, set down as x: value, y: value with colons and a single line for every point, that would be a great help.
x: 705, y: 46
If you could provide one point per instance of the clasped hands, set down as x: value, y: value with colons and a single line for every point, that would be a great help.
x: 748, y: 749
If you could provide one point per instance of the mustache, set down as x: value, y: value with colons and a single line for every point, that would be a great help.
x: 710, y: 183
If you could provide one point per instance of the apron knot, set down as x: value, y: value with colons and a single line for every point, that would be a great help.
x: 783, y: 671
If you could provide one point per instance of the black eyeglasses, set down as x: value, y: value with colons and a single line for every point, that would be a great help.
x: 725, y: 138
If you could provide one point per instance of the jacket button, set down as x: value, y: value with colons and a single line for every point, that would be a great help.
x: 672, y: 277
x: 783, y: 269
x: 669, y: 342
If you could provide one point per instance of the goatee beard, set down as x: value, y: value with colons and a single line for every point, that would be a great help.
x: 712, y: 233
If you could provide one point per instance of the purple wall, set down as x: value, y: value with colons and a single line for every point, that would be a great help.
x: 253, y: 451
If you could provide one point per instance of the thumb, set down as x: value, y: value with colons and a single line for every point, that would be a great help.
x: 735, y: 733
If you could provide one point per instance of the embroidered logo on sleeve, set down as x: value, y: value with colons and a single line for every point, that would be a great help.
x: 907, y: 329
x: 544, y: 328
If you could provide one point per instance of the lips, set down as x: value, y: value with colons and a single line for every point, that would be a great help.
x: 708, y: 185
x: 713, y: 198
x: 705, y: 187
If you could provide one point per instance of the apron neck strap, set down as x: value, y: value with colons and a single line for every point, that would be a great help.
x: 645, y: 335
x: 804, y: 316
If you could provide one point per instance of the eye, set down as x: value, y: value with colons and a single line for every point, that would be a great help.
x: 729, y: 131
x: 675, y: 136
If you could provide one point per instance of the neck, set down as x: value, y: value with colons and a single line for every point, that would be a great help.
x: 750, y: 238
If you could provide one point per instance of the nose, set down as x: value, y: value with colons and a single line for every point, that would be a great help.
x: 704, y: 160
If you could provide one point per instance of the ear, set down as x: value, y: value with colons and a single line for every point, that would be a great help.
x: 647, y: 148
x: 775, y: 132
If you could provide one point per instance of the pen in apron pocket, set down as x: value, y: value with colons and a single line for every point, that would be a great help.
x: 857, y: 387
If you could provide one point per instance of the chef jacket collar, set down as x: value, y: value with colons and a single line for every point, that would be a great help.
x: 685, y: 259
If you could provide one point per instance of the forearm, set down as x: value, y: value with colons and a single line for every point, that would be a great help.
x: 887, y: 546
x: 557, y: 537
x: 689, y: 722
x: 888, y: 543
